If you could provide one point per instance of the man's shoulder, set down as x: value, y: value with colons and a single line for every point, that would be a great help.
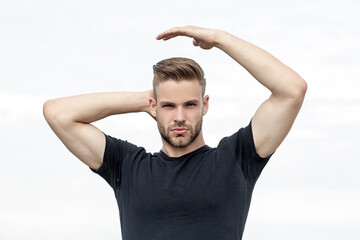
x: 122, y: 146
x: 239, y: 136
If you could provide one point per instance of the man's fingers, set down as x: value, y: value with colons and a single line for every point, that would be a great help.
x: 165, y: 36
x: 173, y: 32
x: 202, y: 37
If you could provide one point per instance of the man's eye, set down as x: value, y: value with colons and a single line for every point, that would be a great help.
x: 191, y: 104
x: 167, y: 106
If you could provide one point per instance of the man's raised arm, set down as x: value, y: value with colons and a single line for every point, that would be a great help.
x: 274, y: 118
x: 70, y: 119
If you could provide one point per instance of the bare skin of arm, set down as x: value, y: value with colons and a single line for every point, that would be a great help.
x: 275, y: 117
x: 71, y: 117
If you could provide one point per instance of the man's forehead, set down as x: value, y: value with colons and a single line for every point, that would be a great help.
x: 181, y: 90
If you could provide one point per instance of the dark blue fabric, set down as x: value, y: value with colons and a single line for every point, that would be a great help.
x: 203, y: 195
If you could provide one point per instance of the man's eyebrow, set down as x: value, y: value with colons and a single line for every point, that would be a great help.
x: 172, y: 103
x: 166, y: 102
x: 192, y: 101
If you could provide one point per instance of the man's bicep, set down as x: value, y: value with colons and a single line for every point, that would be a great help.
x: 272, y: 122
x: 86, y: 142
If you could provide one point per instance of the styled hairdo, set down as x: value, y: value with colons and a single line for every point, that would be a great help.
x: 177, y: 69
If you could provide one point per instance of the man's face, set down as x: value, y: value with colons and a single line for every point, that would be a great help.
x: 179, y: 111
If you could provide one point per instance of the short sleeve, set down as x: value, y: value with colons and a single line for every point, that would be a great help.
x: 116, y: 152
x: 248, y: 159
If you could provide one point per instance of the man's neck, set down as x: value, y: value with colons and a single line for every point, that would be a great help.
x: 172, y: 151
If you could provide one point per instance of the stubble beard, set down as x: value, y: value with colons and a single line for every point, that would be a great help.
x: 180, y: 140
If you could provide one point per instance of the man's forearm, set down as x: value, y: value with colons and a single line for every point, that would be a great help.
x: 88, y: 108
x: 270, y: 72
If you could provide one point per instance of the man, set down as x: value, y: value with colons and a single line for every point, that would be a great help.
x: 187, y: 190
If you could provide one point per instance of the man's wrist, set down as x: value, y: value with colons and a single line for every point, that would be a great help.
x: 219, y: 38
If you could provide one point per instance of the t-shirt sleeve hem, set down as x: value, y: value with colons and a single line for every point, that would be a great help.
x: 99, y: 170
x: 102, y: 167
x: 103, y: 170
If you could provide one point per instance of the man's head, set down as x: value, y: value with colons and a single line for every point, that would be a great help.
x: 179, y: 102
x: 178, y: 69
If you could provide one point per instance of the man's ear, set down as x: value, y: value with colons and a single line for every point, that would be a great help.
x: 205, y: 104
x: 152, y: 103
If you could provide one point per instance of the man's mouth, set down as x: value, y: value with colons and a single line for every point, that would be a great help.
x: 179, y: 131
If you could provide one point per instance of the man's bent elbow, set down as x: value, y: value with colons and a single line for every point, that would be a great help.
x: 51, y: 112
x: 297, y: 90
x: 48, y: 110
x: 294, y: 94
x: 301, y: 90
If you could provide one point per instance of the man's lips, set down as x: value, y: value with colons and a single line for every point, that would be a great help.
x: 179, y: 130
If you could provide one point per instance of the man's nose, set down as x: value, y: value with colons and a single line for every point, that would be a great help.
x: 180, y: 115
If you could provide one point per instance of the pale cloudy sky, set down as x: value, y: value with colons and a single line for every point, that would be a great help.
x: 310, y: 188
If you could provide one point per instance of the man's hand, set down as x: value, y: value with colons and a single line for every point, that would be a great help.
x: 202, y: 37
x: 151, y: 100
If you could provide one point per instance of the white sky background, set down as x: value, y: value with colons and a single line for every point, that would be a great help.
x: 309, y: 189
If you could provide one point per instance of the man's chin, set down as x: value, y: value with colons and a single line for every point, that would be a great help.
x: 180, y: 142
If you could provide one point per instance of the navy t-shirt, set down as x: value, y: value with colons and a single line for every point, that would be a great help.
x: 203, y: 195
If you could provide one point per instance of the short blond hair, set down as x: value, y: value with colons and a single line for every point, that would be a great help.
x: 178, y: 68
